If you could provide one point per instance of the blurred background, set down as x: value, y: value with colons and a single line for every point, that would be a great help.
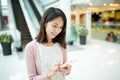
x: 97, y: 55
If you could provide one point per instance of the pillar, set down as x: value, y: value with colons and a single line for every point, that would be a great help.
x: 65, y: 5
x: 88, y: 24
x: 77, y: 16
x: 1, y: 17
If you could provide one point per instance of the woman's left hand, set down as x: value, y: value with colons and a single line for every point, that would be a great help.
x: 65, y: 68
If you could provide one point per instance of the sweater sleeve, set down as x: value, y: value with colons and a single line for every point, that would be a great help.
x: 64, y: 51
x: 31, y: 64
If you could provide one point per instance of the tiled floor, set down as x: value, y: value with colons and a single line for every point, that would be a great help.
x: 98, y: 60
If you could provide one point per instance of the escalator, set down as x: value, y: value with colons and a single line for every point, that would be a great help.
x: 21, y: 23
x: 35, y: 10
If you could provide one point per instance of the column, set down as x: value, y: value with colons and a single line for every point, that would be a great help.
x: 77, y: 21
x: 88, y: 24
x: 77, y: 16
x: 11, y: 19
x: 65, y: 5
x: 12, y: 26
x: 1, y: 17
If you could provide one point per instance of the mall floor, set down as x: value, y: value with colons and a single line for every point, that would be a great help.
x: 97, y: 60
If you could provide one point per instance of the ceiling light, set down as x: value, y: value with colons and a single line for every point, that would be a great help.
x: 104, y: 4
x: 90, y: 4
x: 114, y: 4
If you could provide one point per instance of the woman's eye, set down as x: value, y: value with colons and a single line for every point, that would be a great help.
x: 54, y: 26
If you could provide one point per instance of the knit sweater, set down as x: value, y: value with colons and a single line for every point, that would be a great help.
x: 32, y: 56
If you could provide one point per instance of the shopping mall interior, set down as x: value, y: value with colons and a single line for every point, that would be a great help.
x: 95, y: 59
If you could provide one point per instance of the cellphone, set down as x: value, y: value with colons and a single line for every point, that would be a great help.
x: 70, y: 62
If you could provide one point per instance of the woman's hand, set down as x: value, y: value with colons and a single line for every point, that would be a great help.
x: 65, y: 68
x: 54, y: 70
x: 58, y: 67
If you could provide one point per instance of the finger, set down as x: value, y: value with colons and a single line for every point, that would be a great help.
x: 69, y: 66
x: 55, y: 64
x: 56, y: 68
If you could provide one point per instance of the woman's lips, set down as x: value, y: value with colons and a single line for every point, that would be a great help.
x: 53, y: 34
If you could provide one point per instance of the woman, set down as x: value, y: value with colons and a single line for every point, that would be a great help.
x: 46, y: 55
x: 109, y: 37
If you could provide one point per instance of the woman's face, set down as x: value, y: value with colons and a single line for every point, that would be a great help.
x: 54, y: 27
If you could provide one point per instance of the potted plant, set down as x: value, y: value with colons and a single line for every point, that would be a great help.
x: 82, y: 33
x: 6, y: 39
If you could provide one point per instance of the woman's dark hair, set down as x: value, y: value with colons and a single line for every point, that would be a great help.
x: 50, y: 15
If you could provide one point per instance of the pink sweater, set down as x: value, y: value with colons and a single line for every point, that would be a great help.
x: 32, y: 61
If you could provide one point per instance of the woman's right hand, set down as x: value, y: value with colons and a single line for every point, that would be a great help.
x: 54, y: 71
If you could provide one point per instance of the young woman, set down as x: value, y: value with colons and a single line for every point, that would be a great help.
x: 46, y: 55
